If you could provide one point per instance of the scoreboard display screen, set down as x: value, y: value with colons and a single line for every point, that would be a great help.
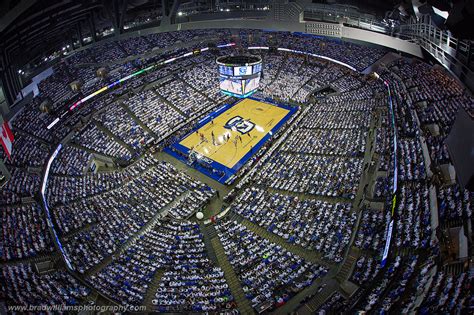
x: 226, y: 70
x: 257, y: 68
x: 251, y: 85
x: 233, y: 86
x: 239, y: 76
x: 240, y: 71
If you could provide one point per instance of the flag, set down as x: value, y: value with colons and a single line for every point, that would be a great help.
x: 6, y: 136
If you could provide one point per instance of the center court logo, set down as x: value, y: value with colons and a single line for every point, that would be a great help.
x: 241, y: 125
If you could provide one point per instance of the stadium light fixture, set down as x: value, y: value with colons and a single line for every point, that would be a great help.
x: 180, y: 13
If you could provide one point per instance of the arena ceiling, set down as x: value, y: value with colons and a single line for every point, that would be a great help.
x: 38, y: 26
x: 31, y: 29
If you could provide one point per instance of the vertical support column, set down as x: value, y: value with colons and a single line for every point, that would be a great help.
x: 123, y: 12
x: 92, y: 27
x: 13, y: 74
x: 116, y: 17
x: 5, y: 77
x: 165, y: 19
x: 79, y: 34
x: 4, y: 106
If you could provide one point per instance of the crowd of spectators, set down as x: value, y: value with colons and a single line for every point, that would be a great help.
x: 269, y: 274
x: 155, y: 113
x: 454, y: 202
x: 25, y: 287
x: 315, y: 175
x: 314, y: 224
x: 28, y: 151
x: 98, y: 215
x: 22, y: 184
x: 371, y: 233
x: 189, y: 282
x: 185, y: 98
x: 449, y: 294
x: 92, y: 138
x: 204, y: 78
x: 346, y: 142
x: 124, y: 127
x: 71, y: 161
x: 24, y: 232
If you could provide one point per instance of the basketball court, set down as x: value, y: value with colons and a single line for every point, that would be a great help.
x: 228, y: 138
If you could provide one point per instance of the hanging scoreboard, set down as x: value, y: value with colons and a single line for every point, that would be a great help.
x: 239, y: 75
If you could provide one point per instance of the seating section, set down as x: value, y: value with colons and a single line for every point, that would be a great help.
x: 454, y: 202
x: 71, y: 161
x: 154, y: 113
x: 124, y: 127
x: 412, y: 165
x: 203, y: 77
x: 186, y: 99
x: 448, y: 293
x: 94, y: 139
x: 24, y: 232
x: 24, y: 286
x: 335, y: 120
x: 270, y: 68
x: 56, y: 88
x: 345, y: 142
x: 269, y: 274
x: 177, y: 250
x: 291, y: 78
x: 109, y: 51
x: 21, y: 185
x: 313, y: 224
x: 144, y: 192
x: 33, y: 121
x: 315, y: 175
x: 371, y: 234
x: 135, y: 45
x: 27, y: 151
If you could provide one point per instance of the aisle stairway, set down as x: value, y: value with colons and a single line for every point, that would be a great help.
x: 170, y: 104
x: 315, y: 302
x: 151, y: 290
x: 209, y: 233
x: 304, y: 253
x: 137, y: 120
x: 242, y: 303
x: 346, y: 269
x: 112, y: 136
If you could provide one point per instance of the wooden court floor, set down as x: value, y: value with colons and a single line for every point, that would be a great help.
x: 231, y: 135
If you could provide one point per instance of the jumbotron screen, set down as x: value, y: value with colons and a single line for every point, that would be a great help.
x: 239, y: 75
